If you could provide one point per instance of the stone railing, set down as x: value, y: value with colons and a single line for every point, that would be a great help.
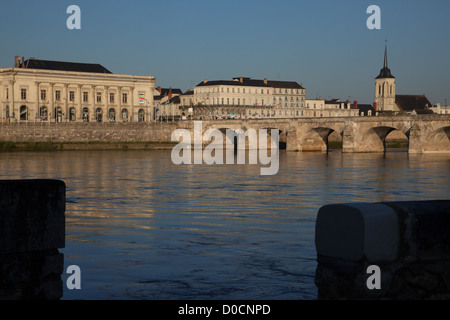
x: 391, y: 250
x: 32, y: 228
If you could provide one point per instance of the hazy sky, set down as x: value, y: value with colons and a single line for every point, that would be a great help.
x: 323, y: 44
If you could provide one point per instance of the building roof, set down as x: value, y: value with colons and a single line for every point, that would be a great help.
x: 249, y: 82
x: 365, y: 108
x: 165, y: 91
x: 425, y: 111
x: 33, y: 63
x: 408, y: 102
x: 284, y: 84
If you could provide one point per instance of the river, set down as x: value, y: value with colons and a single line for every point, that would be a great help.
x: 140, y: 227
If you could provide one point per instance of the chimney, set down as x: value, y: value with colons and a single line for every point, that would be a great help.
x: 170, y: 93
x: 205, y: 81
x: 265, y: 80
x: 159, y: 89
x: 241, y: 79
x: 375, y: 106
x: 16, y: 61
x: 23, y: 62
x: 355, y: 104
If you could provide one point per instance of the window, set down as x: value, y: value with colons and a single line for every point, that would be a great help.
x: 99, y: 97
x: 57, y: 95
x: 111, y: 97
x: 85, y: 97
x: 71, y: 95
x: 243, y: 102
x: 7, y: 93
x: 43, y: 94
x: 124, y: 97
x: 243, y: 90
x: 23, y: 94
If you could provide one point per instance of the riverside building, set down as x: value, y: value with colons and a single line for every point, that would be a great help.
x: 244, y: 97
x: 55, y: 91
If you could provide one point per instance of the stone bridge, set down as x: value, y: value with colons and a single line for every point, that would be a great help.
x: 425, y: 133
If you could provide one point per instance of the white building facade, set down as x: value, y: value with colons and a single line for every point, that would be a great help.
x: 248, y: 98
x: 41, y: 90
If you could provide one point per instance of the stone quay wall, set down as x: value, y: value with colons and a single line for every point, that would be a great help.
x: 408, y: 241
x: 77, y: 132
x: 32, y: 229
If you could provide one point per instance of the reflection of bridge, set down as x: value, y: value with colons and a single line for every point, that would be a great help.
x: 426, y: 134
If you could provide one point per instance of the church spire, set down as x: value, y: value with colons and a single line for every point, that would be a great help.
x: 385, y: 72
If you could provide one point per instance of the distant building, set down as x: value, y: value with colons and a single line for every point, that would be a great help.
x: 366, y: 110
x: 438, y: 109
x: 57, y: 91
x: 167, y: 103
x: 329, y: 108
x: 244, y: 97
x: 386, y: 98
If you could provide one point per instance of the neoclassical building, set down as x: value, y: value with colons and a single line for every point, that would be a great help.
x: 56, y: 91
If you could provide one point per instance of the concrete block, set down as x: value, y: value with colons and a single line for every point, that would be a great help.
x: 31, y: 215
x: 357, y: 231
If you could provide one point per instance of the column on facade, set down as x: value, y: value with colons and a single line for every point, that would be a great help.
x: 79, y: 112
x: 13, y: 107
x: 51, y: 111
x: 119, y: 104
x: 66, y: 106
x: 132, y: 118
x: 106, y: 104
x: 38, y: 108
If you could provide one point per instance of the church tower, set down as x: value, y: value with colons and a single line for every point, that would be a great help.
x: 385, y: 88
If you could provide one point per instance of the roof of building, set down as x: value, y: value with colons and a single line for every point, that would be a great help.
x: 409, y: 102
x: 33, y: 63
x: 284, y: 84
x: 424, y: 111
x: 249, y: 82
x: 333, y: 101
x: 364, y: 108
x: 165, y: 91
x: 174, y: 100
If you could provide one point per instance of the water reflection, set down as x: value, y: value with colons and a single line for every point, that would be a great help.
x: 142, y: 228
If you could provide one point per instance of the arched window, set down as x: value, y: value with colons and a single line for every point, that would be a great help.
x: 98, y: 115
x: 23, y: 113
x: 85, y: 115
x: 112, y: 115
x: 141, y: 115
x: 124, y: 115
x: 58, y: 114
x: 7, y: 112
x: 43, y: 113
x: 72, y: 114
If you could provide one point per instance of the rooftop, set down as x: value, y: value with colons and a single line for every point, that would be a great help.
x: 34, y: 63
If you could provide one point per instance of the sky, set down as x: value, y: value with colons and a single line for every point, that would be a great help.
x: 325, y: 44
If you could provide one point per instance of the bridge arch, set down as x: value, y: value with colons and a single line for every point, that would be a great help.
x: 438, y: 141
x: 317, y: 139
x: 374, y: 139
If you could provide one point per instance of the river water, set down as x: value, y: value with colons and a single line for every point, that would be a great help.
x: 140, y: 227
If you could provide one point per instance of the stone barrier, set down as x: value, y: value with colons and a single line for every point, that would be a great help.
x: 408, y: 241
x: 32, y: 229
